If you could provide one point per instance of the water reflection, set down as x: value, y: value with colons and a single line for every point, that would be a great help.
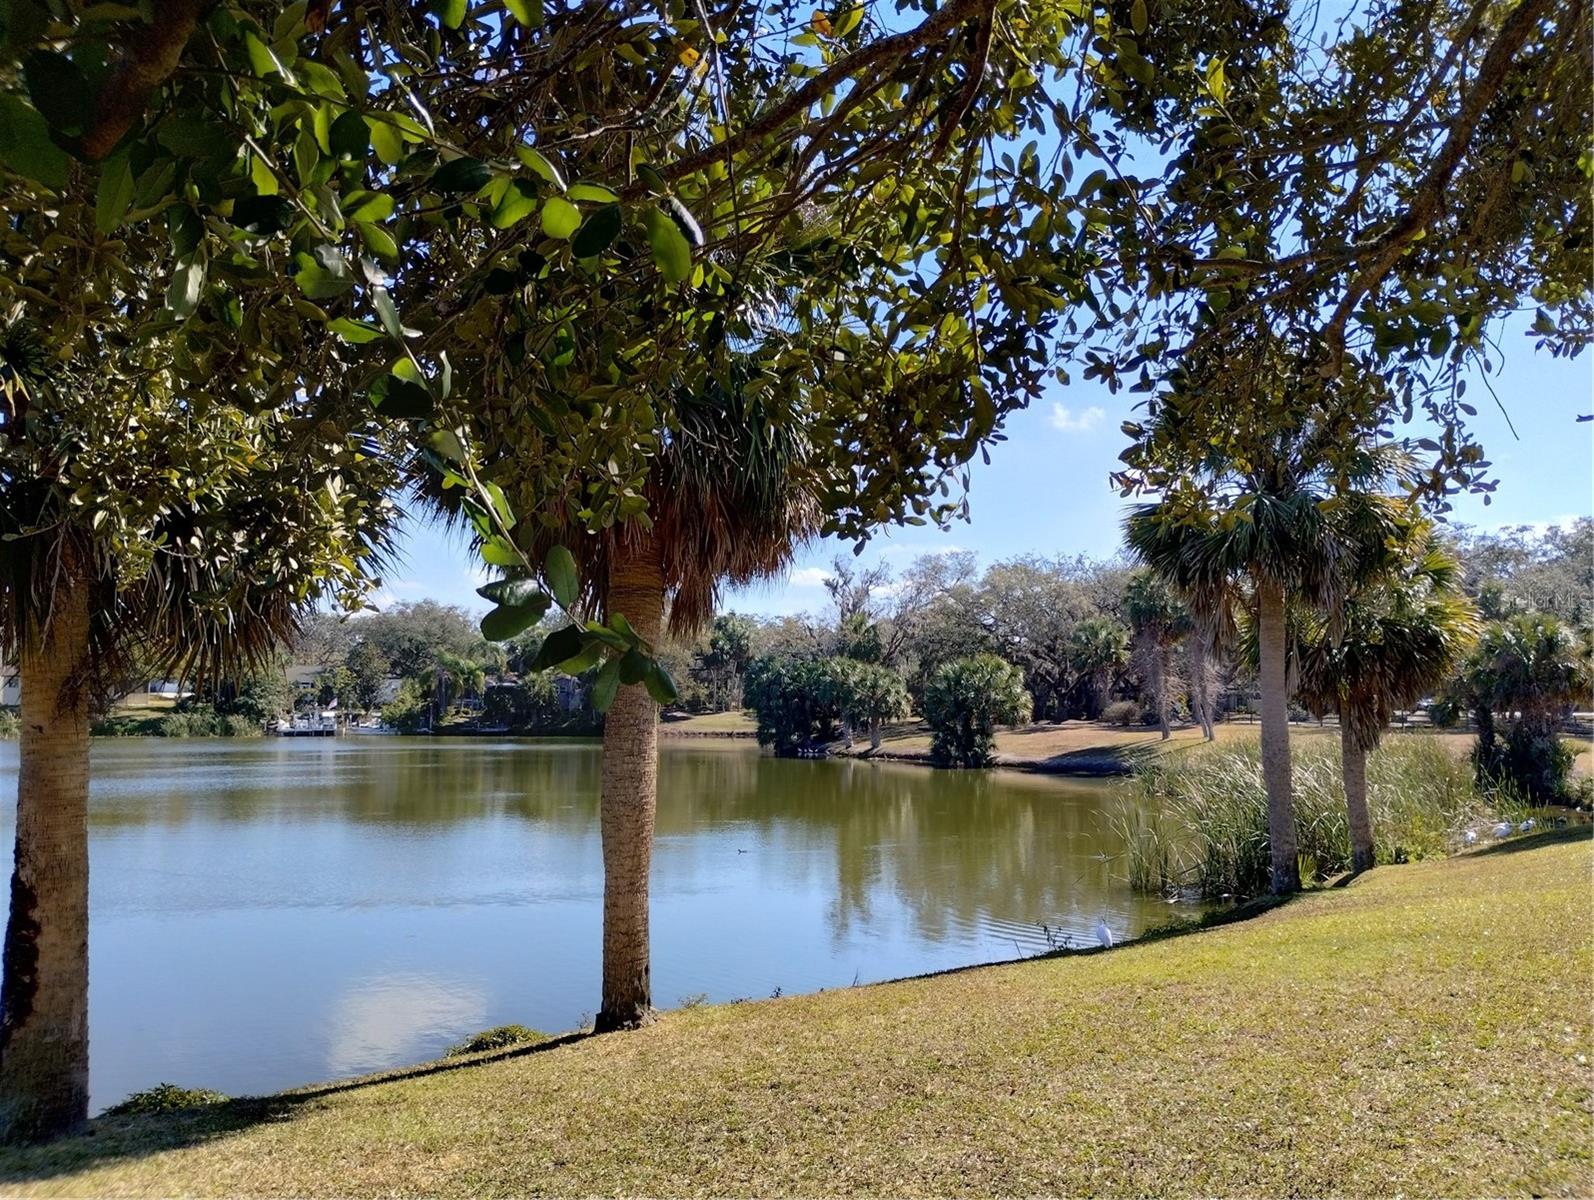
x: 268, y: 913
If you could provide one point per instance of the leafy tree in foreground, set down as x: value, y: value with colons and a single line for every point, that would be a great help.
x: 1382, y: 190
x: 1395, y: 637
x: 965, y: 702
x: 139, y: 517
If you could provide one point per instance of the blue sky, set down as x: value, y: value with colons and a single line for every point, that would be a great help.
x: 1045, y: 490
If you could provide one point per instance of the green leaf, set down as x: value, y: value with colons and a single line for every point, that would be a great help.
x: 354, y: 332
x: 1139, y: 18
x: 263, y: 60
x: 595, y: 192
x: 378, y: 206
x: 620, y: 625
x: 182, y: 293
x: 651, y: 179
x: 498, y: 552
x: 184, y: 229
x: 349, y: 136
x: 560, y: 218
x: 518, y: 202
x: 597, y: 232
x: 660, y: 684
x: 400, y: 399
x: 841, y: 25
x: 387, y: 312
x: 386, y: 141
x: 606, y: 684
x: 262, y: 176
x: 588, y: 656
x: 114, y: 196
x: 527, y: 12
x: 318, y: 282
x: 25, y: 144
x: 560, y: 569
x: 670, y: 248
x: 59, y: 90
x: 514, y: 592
x: 446, y: 444
x: 462, y: 175
x: 262, y: 215
x: 450, y: 12
x: 633, y: 666
x: 535, y: 161
x: 507, y: 620
x: 377, y: 240
x: 557, y: 647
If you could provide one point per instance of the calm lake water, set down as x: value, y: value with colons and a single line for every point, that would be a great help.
x: 276, y: 912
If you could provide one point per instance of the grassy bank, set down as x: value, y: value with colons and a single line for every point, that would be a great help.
x: 1424, y: 1030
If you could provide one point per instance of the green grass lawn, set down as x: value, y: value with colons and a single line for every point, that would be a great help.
x: 1424, y: 1030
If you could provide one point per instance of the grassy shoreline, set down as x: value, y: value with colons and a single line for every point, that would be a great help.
x: 1424, y: 1029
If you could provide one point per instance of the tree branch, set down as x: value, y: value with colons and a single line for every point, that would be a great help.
x: 877, y: 53
x: 1428, y: 199
x: 152, y: 55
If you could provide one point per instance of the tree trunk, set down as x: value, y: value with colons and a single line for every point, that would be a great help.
x: 1275, y: 701
x: 1200, y: 685
x: 1159, y: 683
x: 874, y: 734
x: 44, y: 995
x: 1353, y: 759
x: 630, y: 794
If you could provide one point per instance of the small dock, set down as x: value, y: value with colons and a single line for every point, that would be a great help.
x: 307, y: 727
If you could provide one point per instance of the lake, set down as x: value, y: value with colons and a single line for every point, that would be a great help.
x: 268, y: 913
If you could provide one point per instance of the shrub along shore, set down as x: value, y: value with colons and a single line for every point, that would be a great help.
x: 1424, y: 1029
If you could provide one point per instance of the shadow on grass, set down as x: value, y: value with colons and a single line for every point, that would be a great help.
x: 111, y: 1139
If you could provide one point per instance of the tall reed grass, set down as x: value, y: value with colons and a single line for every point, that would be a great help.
x: 1198, y: 822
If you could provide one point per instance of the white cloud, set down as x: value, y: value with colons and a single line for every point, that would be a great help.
x: 1066, y: 420
x: 808, y: 577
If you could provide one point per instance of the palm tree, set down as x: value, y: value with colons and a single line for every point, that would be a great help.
x: 110, y: 554
x: 1395, y: 637
x: 1160, y: 621
x: 1289, y: 529
x: 452, y: 676
x: 1531, y: 669
x: 1097, y: 648
x: 729, y: 499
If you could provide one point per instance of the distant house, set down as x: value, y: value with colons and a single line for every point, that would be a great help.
x: 166, y: 687
x: 570, y: 691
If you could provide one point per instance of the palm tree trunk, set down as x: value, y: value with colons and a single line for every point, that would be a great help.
x: 1286, y: 874
x: 874, y: 734
x: 1353, y: 759
x: 1200, y: 685
x: 630, y: 795
x: 44, y: 995
x: 1159, y: 683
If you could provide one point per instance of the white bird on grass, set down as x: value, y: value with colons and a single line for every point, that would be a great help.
x: 1526, y: 826
x: 1103, y: 934
x: 1470, y: 838
x: 1503, y: 829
